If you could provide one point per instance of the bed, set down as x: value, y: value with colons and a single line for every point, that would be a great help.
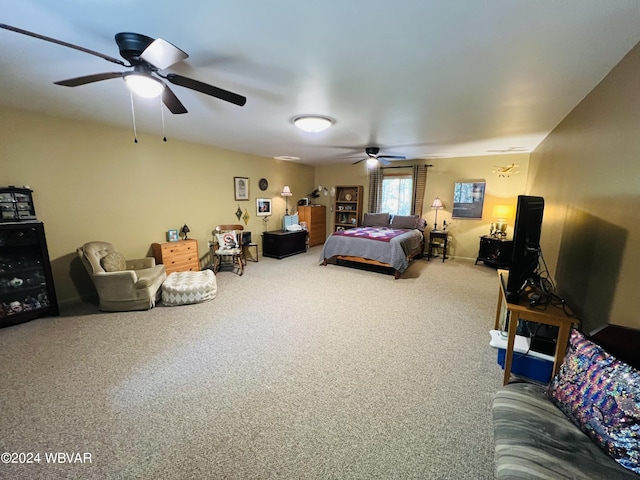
x: 382, y: 240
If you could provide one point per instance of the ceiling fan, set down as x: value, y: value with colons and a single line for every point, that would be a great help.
x: 372, y: 155
x: 147, y: 56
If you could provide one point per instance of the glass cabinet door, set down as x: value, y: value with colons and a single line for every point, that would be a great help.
x: 26, y: 283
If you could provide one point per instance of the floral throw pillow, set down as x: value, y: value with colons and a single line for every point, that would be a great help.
x: 601, y: 395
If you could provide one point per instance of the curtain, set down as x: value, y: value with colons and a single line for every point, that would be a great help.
x: 375, y: 190
x: 419, y: 184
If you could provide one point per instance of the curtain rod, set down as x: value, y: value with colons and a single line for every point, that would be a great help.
x: 408, y: 166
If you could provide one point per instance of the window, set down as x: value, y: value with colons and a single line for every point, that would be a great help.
x: 397, y: 192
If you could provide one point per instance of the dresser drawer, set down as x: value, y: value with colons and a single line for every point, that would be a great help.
x: 183, y: 247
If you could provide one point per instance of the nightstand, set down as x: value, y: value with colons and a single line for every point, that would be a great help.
x: 438, y: 239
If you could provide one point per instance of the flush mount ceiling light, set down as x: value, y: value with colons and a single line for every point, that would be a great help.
x: 143, y: 85
x: 312, y: 123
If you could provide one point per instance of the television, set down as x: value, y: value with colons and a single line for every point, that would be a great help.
x: 526, y: 246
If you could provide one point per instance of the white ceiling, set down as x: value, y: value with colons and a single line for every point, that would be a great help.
x: 419, y: 78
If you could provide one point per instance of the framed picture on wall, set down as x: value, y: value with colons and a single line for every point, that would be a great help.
x: 263, y: 207
x: 241, y: 188
x: 468, y: 199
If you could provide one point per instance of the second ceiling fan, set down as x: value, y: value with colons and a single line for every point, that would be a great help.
x: 373, y: 155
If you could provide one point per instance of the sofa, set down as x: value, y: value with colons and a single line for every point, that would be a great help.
x: 122, y: 285
x: 584, y: 425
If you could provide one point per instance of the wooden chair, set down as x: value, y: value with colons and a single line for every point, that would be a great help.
x: 227, y: 247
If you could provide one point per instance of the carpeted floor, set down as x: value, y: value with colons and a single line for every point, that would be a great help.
x: 293, y: 371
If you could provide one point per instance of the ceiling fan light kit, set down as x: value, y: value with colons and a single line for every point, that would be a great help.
x: 143, y: 85
x: 372, y: 162
x: 373, y: 157
x: 312, y: 123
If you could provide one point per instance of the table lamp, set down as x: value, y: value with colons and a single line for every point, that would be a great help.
x: 286, y: 193
x: 501, y: 213
x: 436, y: 205
x: 185, y: 230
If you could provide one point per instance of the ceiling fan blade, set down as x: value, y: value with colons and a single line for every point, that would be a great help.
x: 207, y: 89
x: 171, y: 101
x: 384, y: 162
x: 358, y: 161
x: 162, y: 54
x: 64, y: 44
x: 397, y: 157
x: 77, y: 81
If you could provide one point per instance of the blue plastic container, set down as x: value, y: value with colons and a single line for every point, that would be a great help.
x: 528, y: 366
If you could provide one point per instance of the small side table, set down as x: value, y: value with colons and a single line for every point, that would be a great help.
x: 438, y: 239
x: 516, y: 313
x: 246, y: 248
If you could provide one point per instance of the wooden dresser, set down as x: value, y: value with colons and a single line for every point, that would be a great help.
x: 316, y: 218
x: 180, y: 256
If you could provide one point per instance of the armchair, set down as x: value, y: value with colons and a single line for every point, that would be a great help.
x: 122, y: 284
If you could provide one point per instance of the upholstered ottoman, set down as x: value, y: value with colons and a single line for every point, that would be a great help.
x: 183, y: 288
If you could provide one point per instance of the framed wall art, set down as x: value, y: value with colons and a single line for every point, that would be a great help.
x: 468, y: 199
x: 241, y: 188
x: 263, y: 207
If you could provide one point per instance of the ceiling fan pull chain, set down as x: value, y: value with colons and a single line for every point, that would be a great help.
x: 133, y: 115
x: 164, y: 137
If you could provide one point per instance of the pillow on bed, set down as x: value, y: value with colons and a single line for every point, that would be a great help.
x: 375, y: 220
x: 405, y: 221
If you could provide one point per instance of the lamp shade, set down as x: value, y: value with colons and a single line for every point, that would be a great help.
x: 502, y: 211
x: 286, y: 191
x: 437, y: 204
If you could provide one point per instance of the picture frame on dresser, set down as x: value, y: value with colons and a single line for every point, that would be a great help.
x: 263, y: 207
x: 172, y: 235
x: 241, y: 188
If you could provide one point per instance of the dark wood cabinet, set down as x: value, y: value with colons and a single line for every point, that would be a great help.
x: 26, y: 282
x: 281, y: 243
x: 495, y: 252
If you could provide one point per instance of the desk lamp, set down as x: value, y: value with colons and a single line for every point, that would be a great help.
x: 185, y: 230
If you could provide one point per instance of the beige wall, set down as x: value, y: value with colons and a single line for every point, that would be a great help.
x: 441, y: 178
x: 588, y: 171
x: 91, y: 182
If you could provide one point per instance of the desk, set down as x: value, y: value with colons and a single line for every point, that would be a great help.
x: 518, y: 312
x: 438, y: 239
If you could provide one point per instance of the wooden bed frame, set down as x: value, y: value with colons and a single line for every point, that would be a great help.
x: 376, y: 263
